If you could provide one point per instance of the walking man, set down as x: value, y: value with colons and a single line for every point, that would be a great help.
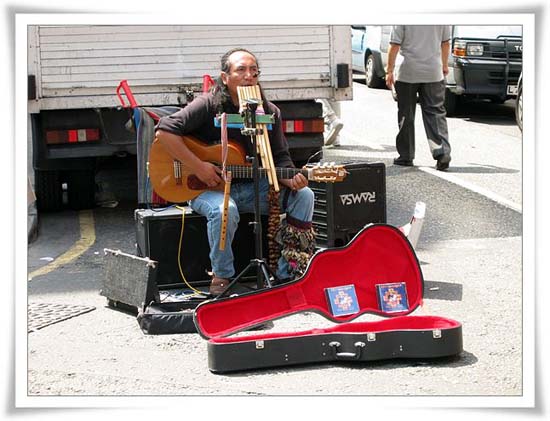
x: 425, y: 53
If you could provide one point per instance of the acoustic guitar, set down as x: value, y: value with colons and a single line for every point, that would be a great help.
x: 172, y: 181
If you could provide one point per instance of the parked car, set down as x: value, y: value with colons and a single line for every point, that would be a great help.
x: 484, y: 62
x: 369, y: 49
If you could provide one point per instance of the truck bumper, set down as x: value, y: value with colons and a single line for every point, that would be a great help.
x: 484, y: 78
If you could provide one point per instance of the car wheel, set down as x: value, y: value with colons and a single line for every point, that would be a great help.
x: 373, y: 81
x: 519, y: 108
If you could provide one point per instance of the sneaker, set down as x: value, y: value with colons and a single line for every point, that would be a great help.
x: 335, y: 126
x: 403, y: 162
x: 443, y: 162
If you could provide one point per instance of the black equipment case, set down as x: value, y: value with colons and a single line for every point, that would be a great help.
x: 377, y: 272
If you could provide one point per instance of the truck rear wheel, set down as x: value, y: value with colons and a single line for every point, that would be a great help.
x: 49, y: 193
x: 81, y: 189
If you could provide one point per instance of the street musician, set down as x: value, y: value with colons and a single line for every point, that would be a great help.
x: 296, y: 239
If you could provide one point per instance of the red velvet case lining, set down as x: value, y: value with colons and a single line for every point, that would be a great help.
x: 378, y: 254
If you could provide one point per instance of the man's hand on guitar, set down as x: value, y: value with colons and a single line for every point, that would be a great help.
x: 209, y: 174
x: 299, y: 181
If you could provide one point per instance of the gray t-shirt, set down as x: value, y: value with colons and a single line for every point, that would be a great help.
x: 420, y: 51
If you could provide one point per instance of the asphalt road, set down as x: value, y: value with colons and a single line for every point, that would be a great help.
x: 470, y: 251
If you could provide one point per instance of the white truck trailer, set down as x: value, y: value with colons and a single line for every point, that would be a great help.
x: 74, y: 70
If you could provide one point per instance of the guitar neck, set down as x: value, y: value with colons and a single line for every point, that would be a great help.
x: 245, y: 171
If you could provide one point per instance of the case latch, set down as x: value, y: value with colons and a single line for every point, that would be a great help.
x: 260, y: 345
x: 437, y: 334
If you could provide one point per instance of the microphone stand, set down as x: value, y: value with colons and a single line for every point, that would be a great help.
x: 263, y: 273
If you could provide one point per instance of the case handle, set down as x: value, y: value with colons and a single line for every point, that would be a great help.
x: 347, y: 355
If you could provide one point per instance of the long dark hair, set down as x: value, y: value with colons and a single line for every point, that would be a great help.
x: 219, y: 90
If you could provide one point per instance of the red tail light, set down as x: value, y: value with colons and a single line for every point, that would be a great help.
x: 71, y: 136
x: 316, y: 125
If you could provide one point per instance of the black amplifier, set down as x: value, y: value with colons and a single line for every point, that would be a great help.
x: 158, y: 234
x: 342, y: 209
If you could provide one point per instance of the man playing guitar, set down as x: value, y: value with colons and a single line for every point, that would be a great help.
x: 239, y: 67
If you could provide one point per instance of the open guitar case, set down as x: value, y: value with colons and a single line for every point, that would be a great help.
x: 377, y: 273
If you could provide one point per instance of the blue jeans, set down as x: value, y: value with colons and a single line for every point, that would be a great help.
x: 210, y: 204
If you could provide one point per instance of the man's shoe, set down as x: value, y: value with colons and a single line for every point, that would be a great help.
x: 403, y: 162
x: 218, y: 285
x: 443, y: 162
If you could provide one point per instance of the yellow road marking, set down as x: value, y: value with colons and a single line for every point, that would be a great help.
x: 87, y: 238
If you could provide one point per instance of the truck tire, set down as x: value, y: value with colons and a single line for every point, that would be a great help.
x: 49, y: 193
x: 81, y: 189
x: 372, y: 79
x: 451, y: 103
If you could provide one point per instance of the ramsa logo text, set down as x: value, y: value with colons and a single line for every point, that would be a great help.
x: 354, y: 198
